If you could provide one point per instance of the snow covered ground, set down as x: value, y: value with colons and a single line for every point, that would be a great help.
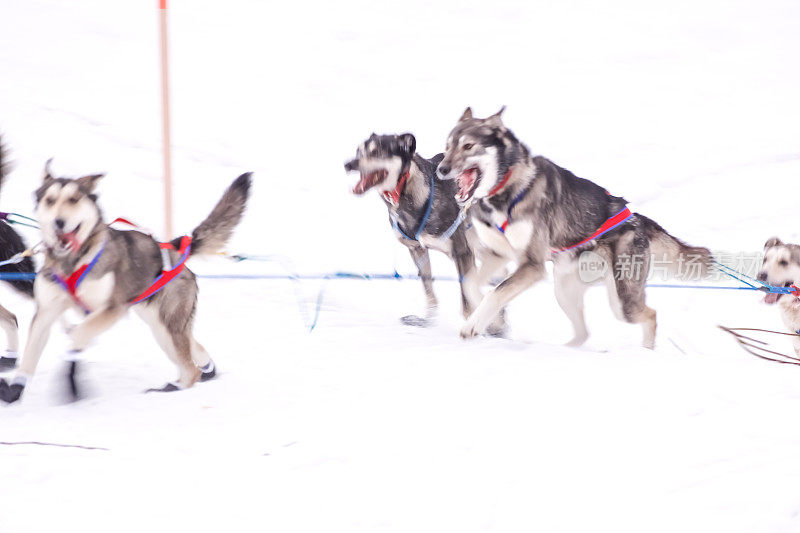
x: 689, y: 109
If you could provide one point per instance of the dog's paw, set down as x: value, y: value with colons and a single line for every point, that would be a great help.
x: 10, y: 393
x: 169, y: 387
x: 499, y: 331
x: 469, y: 330
x: 577, y: 341
x: 417, y: 321
x: 7, y: 363
x: 209, y: 375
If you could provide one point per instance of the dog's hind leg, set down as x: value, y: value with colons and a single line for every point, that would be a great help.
x: 203, y: 361
x: 176, y: 343
x: 423, y: 261
x: 9, y: 324
x: 631, y: 266
x: 570, y: 290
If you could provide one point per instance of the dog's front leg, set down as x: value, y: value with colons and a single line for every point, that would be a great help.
x: 467, y: 275
x: 82, y: 334
x: 423, y: 261
x: 96, y: 323
x: 37, y: 339
x: 526, y: 275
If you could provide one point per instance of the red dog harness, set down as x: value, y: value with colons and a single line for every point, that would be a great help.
x: 73, y: 281
x: 607, y: 226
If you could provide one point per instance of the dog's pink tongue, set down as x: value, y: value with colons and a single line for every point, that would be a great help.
x: 361, y: 186
x: 771, y: 298
x: 71, y: 239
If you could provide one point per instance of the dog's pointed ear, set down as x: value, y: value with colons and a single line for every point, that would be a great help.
x: 88, y: 183
x: 47, y: 175
x: 497, y: 117
x: 407, y: 143
x: 772, y: 242
x: 466, y: 115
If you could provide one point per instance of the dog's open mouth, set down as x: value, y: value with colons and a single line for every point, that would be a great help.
x: 369, y: 180
x: 68, y: 240
x: 467, y: 183
x: 773, y: 297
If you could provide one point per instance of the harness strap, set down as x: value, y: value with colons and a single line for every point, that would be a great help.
x: 73, y: 281
x: 167, y: 275
x: 462, y: 214
x: 396, y: 224
x: 607, y: 226
x: 517, y: 199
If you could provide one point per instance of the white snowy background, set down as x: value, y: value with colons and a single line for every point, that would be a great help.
x: 689, y: 109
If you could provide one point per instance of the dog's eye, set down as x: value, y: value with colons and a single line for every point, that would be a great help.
x: 50, y: 202
x: 74, y: 200
x: 783, y: 263
x: 468, y: 146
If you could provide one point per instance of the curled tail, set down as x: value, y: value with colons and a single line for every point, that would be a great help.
x: 689, y: 263
x: 213, y: 233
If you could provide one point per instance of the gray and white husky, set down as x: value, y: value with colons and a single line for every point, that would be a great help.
x: 423, y: 212
x: 781, y: 267
x: 121, y: 266
x: 529, y: 210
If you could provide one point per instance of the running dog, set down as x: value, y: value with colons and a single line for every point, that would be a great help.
x: 781, y: 267
x: 102, y: 272
x: 529, y: 210
x: 423, y: 213
x: 11, y: 243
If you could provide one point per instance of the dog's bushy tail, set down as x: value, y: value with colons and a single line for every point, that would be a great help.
x: 689, y: 263
x: 213, y: 233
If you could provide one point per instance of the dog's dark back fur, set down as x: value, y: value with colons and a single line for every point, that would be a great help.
x: 444, y: 210
x: 11, y: 242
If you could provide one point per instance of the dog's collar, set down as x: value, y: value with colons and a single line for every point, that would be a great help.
x: 497, y: 188
x: 393, y: 196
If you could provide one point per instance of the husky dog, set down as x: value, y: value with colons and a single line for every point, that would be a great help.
x: 781, y: 267
x: 11, y: 243
x: 529, y: 210
x: 120, y: 266
x: 423, y: 212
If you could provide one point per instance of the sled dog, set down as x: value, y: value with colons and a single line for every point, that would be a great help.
x: 781, y: 267
x: 102, y: 272
x: 529, y: 210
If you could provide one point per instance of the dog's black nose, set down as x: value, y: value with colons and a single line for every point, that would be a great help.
x: 444, y: 170
x: 59, y: 222
x: 762, y: 276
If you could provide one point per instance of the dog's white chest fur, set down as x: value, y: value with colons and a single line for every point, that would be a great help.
x: 95, y: 293
x: 510, y: 244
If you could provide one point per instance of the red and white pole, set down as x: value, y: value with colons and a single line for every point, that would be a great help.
x: 166, y: 144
